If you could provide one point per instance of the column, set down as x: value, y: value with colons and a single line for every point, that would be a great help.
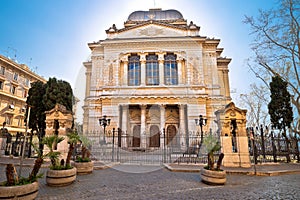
x: 226, y: 83
x: 86, y: 113
x: 88, y: 74
x: 161, y: 68
x: 125, y: 72
x: 182, y: 129
x: 143, y: 126
x: 143, y: 69
x: 124, y: 125
x: 162, y: 123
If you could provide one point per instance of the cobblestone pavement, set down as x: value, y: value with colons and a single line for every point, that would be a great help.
x: 149, y: 182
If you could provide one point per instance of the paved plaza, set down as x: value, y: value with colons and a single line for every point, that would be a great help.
x: 157, y: 182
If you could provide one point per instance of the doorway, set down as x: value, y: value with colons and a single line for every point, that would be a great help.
x: 136, y: 136
x: 154, y: 136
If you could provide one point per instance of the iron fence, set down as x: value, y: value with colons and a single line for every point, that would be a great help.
x: 122, y: 148
x: 270, y: 146
x: 264, y: 146
x: 13, y: 145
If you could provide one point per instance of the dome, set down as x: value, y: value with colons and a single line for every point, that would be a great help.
x: 155, y: 14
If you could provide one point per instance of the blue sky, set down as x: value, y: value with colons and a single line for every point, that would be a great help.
x: 51, y: 36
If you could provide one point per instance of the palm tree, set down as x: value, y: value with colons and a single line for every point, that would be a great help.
x: 212, y: 145
x: 50, y: 141
x: 10, y: 172
x: 37, y: 163
x: 85, y: 152
x: 73, y: 138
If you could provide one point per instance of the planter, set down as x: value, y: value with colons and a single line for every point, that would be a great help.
x: 61, y: 177
x: 84, y: 167
x: 213, y: 177
x: 22, y: 192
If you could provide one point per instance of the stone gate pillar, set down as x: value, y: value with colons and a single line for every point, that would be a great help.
x: 234, y: 141
x: 58, y: 120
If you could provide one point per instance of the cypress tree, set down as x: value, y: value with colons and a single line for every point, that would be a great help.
x: 280, y: 109
x: 58, y: 91
x: 43, y: 97
x: 37, y: 113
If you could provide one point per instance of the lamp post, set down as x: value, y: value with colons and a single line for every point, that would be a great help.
x: 201, y: 122
x: 252, y: 138
x: 104, y: 122
x: 113, y: 146
x: 164, y: 132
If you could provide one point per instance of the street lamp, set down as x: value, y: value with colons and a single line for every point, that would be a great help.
x: 201, y: 122
x: 104, y: 122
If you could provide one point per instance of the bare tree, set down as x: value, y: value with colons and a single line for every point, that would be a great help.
x: 277, y: 48
x: 256, y: 102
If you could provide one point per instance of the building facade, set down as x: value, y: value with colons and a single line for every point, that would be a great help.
x: 155, y: 74
x: 15, y: 80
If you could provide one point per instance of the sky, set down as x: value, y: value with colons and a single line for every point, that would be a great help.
x: 51, y: 36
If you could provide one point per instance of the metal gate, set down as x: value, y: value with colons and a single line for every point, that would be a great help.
x: 159, y: 149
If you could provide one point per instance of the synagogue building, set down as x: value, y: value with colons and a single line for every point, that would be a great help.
x: 155, y: 74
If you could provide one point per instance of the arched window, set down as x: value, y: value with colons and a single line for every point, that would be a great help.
x: 152, y: 70
x: 134, y: 70
x: 170, y: 70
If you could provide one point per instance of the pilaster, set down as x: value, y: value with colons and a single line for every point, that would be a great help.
x: 143, y: 69
x: 88, y: 75
x: 180, y: 71
x: 125, y: 72
x: 161, y: 68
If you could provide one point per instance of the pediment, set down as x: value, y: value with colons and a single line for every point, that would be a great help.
x: 233, y: 112
x: 149, y: 30
x: 59, y: 112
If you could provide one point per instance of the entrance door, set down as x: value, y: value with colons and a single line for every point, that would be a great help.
x: 171, y: 135
x: 154, y: 136
x: 136, y: 136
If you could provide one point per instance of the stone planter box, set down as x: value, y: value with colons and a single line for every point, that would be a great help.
x: 21, y: 192
x: 84, y: 167
x: 61, y: 177
x: 213, y: 177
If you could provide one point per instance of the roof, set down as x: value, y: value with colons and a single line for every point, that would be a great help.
x: 170, y: 18
x: 155, y: 14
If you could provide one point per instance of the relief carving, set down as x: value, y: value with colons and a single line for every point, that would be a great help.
x: 151, y: 31
x: 97, y: 57
x: 160, y: 56
x: 124, y: 58
x: 110, y: 75
x: 196, y: 74
x: 135, y: 115
x: 143, y: 58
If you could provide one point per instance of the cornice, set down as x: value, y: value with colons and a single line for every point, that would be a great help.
x: 224, y: 61
x: 118, y: 41
x: 23, y: 68
x: 165, y: 24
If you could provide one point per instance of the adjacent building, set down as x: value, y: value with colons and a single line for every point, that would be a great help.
x: 155, y: 74
x: 15, y: 80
